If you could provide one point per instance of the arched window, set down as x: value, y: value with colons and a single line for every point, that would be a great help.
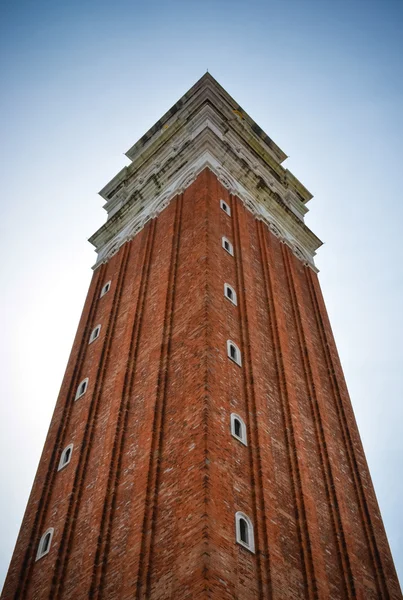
x: 225, y: 207
x: 95, y: 333
x: 82, y: 388
x: 226, y: 244
x: 44, y: 544
x: 65, y: 457
x: 238, y: 428
x: 234, y: 353
x: 105, y: 289
x: 230, y: 293
x: 244, y: 531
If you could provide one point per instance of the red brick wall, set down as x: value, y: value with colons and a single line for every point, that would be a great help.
x: 146, y: 507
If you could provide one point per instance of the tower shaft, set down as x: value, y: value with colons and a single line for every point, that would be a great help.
x: 215, y: 453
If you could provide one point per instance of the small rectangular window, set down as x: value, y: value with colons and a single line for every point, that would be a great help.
x: 238, y: 428
x: 234, y: 353
x: 225, y: 207
x: 226, y: 244
x: 95, y: 334
x: 105, y: 289
x: 230, y: 293
x: 244, y: 531
x: 82, y: 388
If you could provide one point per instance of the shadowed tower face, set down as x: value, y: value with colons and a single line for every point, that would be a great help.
x: 203, y: 445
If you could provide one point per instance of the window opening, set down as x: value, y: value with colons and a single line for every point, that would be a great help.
x: 226, y: 244
x: 44, y: 543
x: 225, y: 207
x: 244, y: 531
x: 65, y: 457
x: 82, y: 388
x: 230, y: 293
x: 238, y: 428
x: 234, y: 352
x: 105, y: 289
x: 95, y: 333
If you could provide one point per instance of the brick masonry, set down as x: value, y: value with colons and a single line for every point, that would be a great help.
x: 146, y: 507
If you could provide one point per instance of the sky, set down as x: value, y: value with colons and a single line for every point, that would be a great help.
x: 81, y: 81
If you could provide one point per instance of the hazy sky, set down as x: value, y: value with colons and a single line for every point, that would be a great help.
x: 81, y: 81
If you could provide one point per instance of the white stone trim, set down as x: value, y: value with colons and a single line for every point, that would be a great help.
x: 183, y: 180
x: 234, y: 298
x: 79, y: 393
x: 62, y: 462
x: 106, y: 288
x: 225, y: 207
x: 95, y: 333
x: 237, y: 359
x: 250, y: 545
x: 227, y: 245
x: 205, y: 126
x: 210, y: 125
x: 41, y: 552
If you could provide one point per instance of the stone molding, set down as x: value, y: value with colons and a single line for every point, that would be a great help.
x: 184, y: 179
x: 205, y: 129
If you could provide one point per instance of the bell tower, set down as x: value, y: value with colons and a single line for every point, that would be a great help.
x: 203, y: 445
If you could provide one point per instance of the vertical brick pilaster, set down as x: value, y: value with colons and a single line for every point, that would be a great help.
x: 148, y: 528
x: 313, y: 386
x: 386, y: 582
x: 97, y: 589
x: 279, y: 335
x: 67, y: 535
x: 260, y: 516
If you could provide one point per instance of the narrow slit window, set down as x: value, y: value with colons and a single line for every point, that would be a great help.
x: 226, y: 244
x: 105, y: 289
x: 234, y: 353
x: 44, y: 544
x: 82, y: 388
x: 65, y: 457
x: 238, y: 428
x: 95, y: 334
x: 244, y: 531
x: 230, y: 293
x: 225, y: 207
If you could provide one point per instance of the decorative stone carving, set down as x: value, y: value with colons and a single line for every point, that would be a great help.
x: 183, y: 181
x: 298, y: 252
x: 275, y: 230
x: 142, y: 201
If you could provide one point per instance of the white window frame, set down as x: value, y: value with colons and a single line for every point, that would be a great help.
x: 40, y: 553
x: 238, y: 359
x: 62, y: 462
x: 243, y: 437
x: 225, y: 207
x: 78, y: 394
x: 95, y: 333
x: 234, y: 299
x: 106, y: 288
x: 230, y: 248
x: 251, y: 544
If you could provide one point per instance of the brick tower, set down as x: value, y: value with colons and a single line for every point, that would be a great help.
x: 203, y: 444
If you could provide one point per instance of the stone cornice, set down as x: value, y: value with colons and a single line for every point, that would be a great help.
x: 203, y: 131
x: 184, y: 179
x: 203, y: 85
x: 208, y: 92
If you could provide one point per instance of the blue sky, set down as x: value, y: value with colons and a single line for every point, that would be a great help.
x: 82, y: 81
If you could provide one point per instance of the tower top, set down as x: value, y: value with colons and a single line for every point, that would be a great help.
x: 206, y: 128
x: 206, y: 82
